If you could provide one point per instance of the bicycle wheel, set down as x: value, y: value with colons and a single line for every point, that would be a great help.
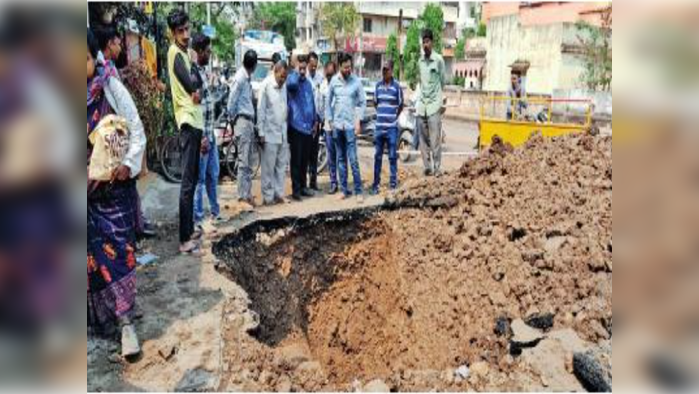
x: 171, y: 160
x: 231, y: 160
x: 322, y: 157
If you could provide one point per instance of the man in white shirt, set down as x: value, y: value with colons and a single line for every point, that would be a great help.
x: 272, y: 118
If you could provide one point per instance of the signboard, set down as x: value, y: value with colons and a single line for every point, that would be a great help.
x: 209, y: 31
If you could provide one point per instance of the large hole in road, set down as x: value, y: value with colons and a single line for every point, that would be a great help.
x: 368, y: 296
x: 333, y: 278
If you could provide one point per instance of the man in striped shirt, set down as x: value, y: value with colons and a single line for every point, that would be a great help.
x: 389, y: 104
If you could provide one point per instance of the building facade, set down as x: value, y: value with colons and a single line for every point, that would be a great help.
x: 542, y: 36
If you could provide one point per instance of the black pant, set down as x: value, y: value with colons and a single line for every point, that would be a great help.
x: 313, y: 159
x: 300, y: 146
x: 190, y: 144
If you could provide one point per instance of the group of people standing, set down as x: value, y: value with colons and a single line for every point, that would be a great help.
x: 297, y: 104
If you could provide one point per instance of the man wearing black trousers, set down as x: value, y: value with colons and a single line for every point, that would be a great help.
x: 303, y: 120
x: 188, y: 114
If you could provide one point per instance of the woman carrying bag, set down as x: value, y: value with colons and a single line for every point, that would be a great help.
x: 114, y: 159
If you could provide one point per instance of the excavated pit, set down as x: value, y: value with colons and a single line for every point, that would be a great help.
x: 407, y: 293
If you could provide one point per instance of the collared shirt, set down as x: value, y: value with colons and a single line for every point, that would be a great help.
x: 272, y: 111
x: 432, y: 81
x: 240, y: 97
x: 389, y: 99
x: 346, y: 102
x: 207, y: 104
x: 317, y: 82
x: 302, y: 108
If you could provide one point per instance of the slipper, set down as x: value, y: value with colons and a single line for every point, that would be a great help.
x: 192, y: 249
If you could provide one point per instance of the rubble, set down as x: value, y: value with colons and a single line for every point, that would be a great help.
x: 449, y: 273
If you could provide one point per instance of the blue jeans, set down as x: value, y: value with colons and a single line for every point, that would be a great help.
x: 332, y: 158
x: 386, y: 138
x: 209, y: 171
x: 346, y: 146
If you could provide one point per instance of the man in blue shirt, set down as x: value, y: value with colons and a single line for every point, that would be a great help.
x: 389, y: 104
x: 345, y: 109
x: 303, y: 120
x: 241, y: 111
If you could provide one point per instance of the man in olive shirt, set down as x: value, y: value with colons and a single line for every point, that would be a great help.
x: 429, y: 106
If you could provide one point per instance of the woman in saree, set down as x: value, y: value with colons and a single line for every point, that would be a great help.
x: 111, y: 240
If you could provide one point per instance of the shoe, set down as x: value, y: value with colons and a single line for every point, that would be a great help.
x: 297, y: 197
x: 281, y: 201
x: 374, y: 191
x: 130, y: 347
x: 307, y: 193
x: 333, y: 190
x: 360, y: 198
x: 428, y: 172
x: 343, y: 197
x: 314, y: 187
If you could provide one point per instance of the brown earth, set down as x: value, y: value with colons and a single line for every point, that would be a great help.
x: 411, y: 294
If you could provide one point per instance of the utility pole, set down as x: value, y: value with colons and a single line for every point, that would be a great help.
x: 400, y: 47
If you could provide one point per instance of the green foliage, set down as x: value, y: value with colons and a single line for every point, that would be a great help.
x: 433, y: 19
x: 596, y: 43
x: 469, y: 32
x: 482, y: 30
x: 460, y: 50
x: 224, y: 42
x: 339, y: 20
x: 279, y: 17
x: 459, y: 81
x: 393, y: 53
x: 412, y: 54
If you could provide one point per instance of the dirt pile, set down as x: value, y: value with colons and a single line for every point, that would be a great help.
x: 412, y: 295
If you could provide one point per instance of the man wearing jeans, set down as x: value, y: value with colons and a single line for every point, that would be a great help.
x: 345, y: 108
x: 188, y: 115
x: 209, y: 167
x: 330, y: 70
x: 389, y: 104
x: 429, y: 106
x: 241, y: 111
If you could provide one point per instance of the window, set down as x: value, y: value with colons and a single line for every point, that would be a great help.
x: 367, y: 25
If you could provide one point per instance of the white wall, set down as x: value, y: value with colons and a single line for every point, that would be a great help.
x: 508, y: 42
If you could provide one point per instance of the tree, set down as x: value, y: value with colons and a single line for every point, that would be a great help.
x: 412, y: 54
x: 433, y: 19
x: 277, y: 17
x: 222, y: 46
x: 460, y: 50
x: 596, y: 43
x: 339, y: 20
x: 393, y: 53
x: 482, y: 30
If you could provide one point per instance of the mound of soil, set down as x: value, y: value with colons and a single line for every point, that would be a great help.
x: 413, y: 293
